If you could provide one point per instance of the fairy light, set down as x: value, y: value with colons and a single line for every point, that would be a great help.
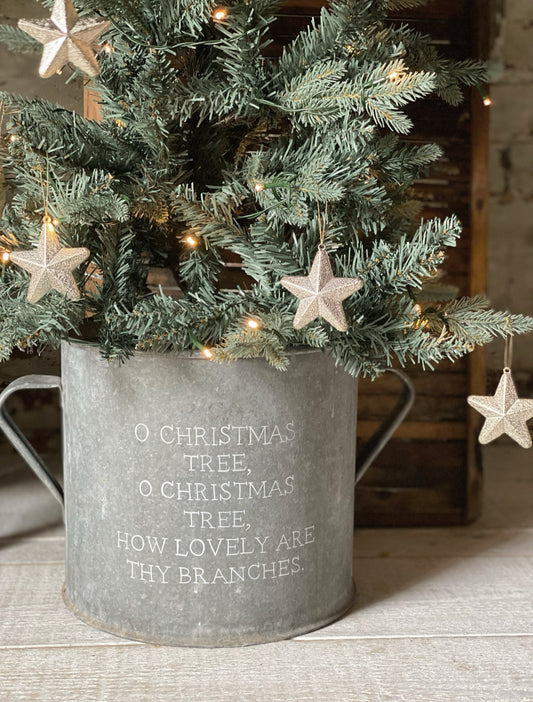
x: 420, y: 323
x: 13, y: 138
x: 393, y: 75
x: 49, y: 223
x: 220, y: 13
x: 108, y: 48
x: 253, y: 323
x: 487, y: 100
x: 5, y: 258
x: 120, y: 124
x: 205, y: 350
x: 418, y: 309
x: 192, y: 241
x: 55, y: 222
x: 259, y: 187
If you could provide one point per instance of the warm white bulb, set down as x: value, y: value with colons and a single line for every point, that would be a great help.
x: 259, y: 187
x: 49, y: 224
x: 191, y: 241
x: 487, y: 101
x: 393, y: 75
x: 13, y: 137
x: 220, y: 13
x: 253, y: 324
x: 5, y: 257
x: 207, y: 352
x: 418, y: 309
x: 109, y: 48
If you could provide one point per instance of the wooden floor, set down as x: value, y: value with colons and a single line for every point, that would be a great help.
x: 442, y: 615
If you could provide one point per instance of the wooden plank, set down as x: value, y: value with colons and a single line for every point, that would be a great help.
x: 479, y: 218
x: 403, y: 596
x: 450, y: 35
x: 32, y: 611
x: 446, y: 383
x: 91, y: 103
x: 439, y: 597
x: 507, y: 501
x: 311, y: 7
x: 414, y: 483
x: 417, y: 430
x: 421, y: 463
x: 407, y: 492
x: 443, y: 543
x: 455, y: 9
x: 462, y: 670
x: 23, y: 363
x: 48, y: 547
x: 427, y: 408
x: 409, y: 507
x: 27, y: 509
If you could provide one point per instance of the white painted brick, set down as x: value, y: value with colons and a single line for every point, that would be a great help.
x: 512, y: 112
x: 518, y: 43
x: 510, y: 243
x: 511, y: 171
x: 498, y: 176
x: 519, y: 10
x: 510, y: 263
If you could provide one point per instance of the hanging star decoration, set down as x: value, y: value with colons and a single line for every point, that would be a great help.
x: 50, y: 265
x: 320, y: 293
x: 504, y: 413
x: 66, y: 39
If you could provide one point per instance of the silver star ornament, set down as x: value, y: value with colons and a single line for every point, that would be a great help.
x: 50, y: 265
x: 504, y: 413
x: 66, y: 39
x: 321, y: 294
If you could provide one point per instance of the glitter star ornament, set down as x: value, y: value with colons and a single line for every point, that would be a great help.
x: 321, y: 294
x: 66, y: 39
x: 50, y: 265
x: 504, y: 413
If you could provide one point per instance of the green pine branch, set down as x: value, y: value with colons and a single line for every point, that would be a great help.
x: 17, y: 40
x: 210, y: 157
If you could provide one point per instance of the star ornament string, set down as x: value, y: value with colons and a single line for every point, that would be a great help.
x: 320, y: 293
x: 504, y: 412
x: 50, y: 265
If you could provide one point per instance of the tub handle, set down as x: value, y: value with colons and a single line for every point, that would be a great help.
x: 17, y: 438
x: 373, y: 447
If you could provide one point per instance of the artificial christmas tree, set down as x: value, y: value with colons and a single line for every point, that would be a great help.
x: 210, y: 155
x: 207, y: 150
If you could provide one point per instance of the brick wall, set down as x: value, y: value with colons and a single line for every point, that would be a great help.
x: 511, y: 172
